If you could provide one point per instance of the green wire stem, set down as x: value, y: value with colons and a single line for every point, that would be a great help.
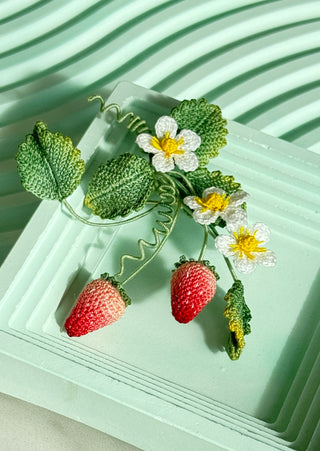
x: 185, y: 179
x: 205, y: 242
x: 214, y: 233
x: 181, y: 186
x: 108, y: 224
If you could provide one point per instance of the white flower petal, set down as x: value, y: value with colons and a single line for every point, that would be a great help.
x: 191, y: 141
x: 191, y: 202
x: 238, y: 198
x: 267, y: 258
x: 223, y: 243
x: 187, y: 161
x: 262, y: 232
x: 161, y: 163
x: 244, y: 264
x: 166, y: 124
x: 236, y: 226
x: 144, y: 141
x: 212, y: 189
x: 205, y: 217
x: 234, y: 217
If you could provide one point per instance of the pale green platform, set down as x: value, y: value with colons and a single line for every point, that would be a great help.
x: 146, y: 379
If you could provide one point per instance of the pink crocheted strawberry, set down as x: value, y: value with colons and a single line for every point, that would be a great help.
x: 193, y: 285
x: 102, y: 302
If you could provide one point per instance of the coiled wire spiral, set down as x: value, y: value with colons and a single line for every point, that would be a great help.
x: 135, y: 123
x: 169, y: 206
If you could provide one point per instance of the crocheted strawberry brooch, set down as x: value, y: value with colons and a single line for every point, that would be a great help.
x: 101, y: 302
x: 193, y: 285
x: 168, y: 173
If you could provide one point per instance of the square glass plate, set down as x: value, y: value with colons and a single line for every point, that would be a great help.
x: 147, y: 379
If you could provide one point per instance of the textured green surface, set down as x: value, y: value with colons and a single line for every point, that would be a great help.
x: 203, y: 178
x: 120, y: 186
x: 206, y: 120
x: 48, y: 164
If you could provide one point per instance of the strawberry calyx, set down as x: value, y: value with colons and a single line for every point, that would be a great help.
x: 183, y: 259
x: 118, y: 286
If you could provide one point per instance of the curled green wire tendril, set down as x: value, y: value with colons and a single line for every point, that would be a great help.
x: 135, y: 123
x: 170, y: 206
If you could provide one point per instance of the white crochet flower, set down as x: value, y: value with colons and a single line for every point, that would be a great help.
x: 169, y: 148
x: 215, y: 203
x: 246, y: 246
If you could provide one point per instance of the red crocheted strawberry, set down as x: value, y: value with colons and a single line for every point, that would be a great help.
x: 102, y: 302
x: 193, y: 285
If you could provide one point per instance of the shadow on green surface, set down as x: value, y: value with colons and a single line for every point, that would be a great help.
x: 289, y: 401
x: 53, y: 100
x: 213, y: 323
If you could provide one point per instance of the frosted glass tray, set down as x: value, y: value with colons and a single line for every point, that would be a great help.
x: 147, y: 379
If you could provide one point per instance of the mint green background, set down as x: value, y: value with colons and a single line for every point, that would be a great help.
x: 258, y: 60
x: 182, y: 378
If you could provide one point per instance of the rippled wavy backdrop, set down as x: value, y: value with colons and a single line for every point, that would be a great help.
x: 258, y: 60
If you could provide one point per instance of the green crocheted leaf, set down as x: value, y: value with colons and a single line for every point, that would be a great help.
x: 239, y: 316
x: 48, y: 164
x: 206, y: 120
x: 202, y: 179
x: 120, y: 186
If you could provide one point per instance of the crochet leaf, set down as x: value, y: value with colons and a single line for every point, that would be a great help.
x: 206, y: 120
x: 48, y: 164
x: 120, y: 186
x: 239, y: 317
x: 201, y: 179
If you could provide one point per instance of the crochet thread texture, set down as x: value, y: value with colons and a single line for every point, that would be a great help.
x: 120, y: 186
x: 202, y: 179
x: 239, y: 317
x: 193, y: 285
x: 48, y: 164
x: 205, y: 120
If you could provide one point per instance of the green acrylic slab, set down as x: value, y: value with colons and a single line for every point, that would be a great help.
x: 147, y: 379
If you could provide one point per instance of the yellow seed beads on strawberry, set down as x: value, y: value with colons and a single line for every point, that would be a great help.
x: 100, y: 303
x: 193, y: 285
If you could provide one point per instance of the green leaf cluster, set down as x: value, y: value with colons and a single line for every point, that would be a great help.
x: 202, y: 179
x: 206, y: 120
x: 48, y: 164
x: 120, y: 186
x: 239, y: 316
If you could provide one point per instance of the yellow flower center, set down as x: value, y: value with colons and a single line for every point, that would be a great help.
x: 246, y: 244
x: 169, y: 146
x: 214, y: 202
